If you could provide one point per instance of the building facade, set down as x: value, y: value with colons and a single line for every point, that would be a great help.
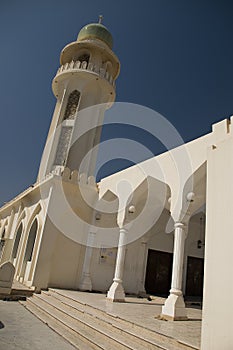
x: 158, y: 227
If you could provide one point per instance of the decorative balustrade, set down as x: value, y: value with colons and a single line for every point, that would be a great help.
x: 73, y: 65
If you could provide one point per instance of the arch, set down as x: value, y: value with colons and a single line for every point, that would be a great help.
x: 22, y: 215
x: 108, y: 67
x: 17, y: 240
x: 84, y: 57
x: 21, y: 261
x: 36, y: 211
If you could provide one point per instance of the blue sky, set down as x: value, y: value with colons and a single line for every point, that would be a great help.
x: 176, y: 58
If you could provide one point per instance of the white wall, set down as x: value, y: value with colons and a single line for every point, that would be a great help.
x: 218, y: 282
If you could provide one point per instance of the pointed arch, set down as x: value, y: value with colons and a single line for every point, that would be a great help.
x: 34, y: 213
x: 18, y: 236
x: 22, y: 215
x: 21, y: 262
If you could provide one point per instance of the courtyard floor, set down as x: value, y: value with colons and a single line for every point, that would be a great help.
x: 19, y: 329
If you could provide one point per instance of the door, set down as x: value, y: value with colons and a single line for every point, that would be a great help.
x: 195, y: 274
x: 158, y: 272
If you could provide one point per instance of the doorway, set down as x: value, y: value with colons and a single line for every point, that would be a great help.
x: 158, y: 272
x: 195, y: 274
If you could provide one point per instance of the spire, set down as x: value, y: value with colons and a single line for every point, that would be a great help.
x: 101, y: 17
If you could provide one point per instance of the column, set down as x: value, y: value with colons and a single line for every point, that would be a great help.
x: 116, y: 291
x: 85, y: 283
x: 174, y: 307
x: 142, y: 258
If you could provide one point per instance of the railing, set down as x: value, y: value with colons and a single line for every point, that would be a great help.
x: 86, y: 66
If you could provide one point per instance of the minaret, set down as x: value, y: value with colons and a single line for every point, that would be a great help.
x: 84, y: 87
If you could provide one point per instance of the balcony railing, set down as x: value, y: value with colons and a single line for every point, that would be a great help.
x: 74, y: 65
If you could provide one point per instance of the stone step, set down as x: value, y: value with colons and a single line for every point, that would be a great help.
x: 140, y: 334
x: 81, y: 340
x: 109, y: 328
x: 94, y: 336
x: 60, y: 328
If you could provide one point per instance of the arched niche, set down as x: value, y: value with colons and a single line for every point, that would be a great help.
x: 31, y: 241
x: 84, y: 57
x: 17, y: 240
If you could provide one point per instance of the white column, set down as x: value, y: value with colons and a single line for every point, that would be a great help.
x: 142, y: 268
x: 116, y: 291
x: 174, y: 307
x: 86, y: 283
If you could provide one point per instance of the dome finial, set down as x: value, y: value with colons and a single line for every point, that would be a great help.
x: 101, y: 17
x: 96, y: 31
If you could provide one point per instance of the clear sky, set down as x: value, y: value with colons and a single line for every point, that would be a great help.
x: 176, y: 58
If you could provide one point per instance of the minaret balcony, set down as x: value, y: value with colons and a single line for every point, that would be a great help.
x: 85, y: 66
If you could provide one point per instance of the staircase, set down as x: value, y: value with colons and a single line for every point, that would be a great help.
x: 88, y: 328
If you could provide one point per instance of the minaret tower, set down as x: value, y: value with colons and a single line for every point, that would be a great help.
x: 84, y: 87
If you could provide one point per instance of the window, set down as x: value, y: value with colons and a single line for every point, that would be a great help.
x: 31, y: 241
x: 63, y: 145
x: 84, y: 58
x: 72, y: 105
x: 17, y: 240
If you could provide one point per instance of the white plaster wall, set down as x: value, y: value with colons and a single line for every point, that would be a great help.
x: 218, y: 282
x: 102, y: 272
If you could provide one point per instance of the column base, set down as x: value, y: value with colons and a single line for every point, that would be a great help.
x: 86, y: 284
x: 116, y: 292
x: 174, y: 308
x: 142, y: 294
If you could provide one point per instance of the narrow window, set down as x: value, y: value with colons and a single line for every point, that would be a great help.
x: 31, y: 241
x: 72, y: 105
x: 63, y: 145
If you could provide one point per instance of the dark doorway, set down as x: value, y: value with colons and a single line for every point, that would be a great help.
x: 158, y: 272
x: 194, y: 280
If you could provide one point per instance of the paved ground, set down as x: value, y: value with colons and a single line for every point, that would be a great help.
x: 145, y: 313
x: 20, y: 330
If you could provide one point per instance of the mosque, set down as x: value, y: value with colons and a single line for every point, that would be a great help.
x: 160, y: 227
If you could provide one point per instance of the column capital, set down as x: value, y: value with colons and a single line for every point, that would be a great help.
x: 123, y: 230
x: 179, y: 225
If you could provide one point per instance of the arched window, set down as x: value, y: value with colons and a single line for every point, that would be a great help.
x: 84, y: 58
x: 17, y: 240
x: 72, y: 105
x: 31, y: 241
x: 66, y: 130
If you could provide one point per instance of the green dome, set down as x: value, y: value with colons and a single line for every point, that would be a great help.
x: 96, y: 31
